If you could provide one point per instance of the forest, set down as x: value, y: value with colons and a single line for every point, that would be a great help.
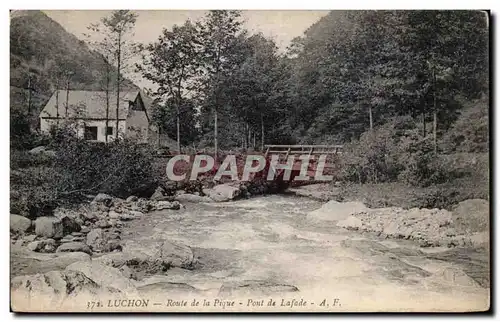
x: 350, y: 72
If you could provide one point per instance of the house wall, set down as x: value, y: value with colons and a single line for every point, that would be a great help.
x: 79, y: 127
x: 137, y: 126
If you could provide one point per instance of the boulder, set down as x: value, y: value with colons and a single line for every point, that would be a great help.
x: 136, y: 214
x: 226, y: 191
x: 37, y: 150
x: 102, y: 223
x: 187, y: 197
x: 19, y: 224
x: 54, y: 286
x: 335, y: 211
x: 43, y: 246
x: 456, y: 277
x: 351, y: 222
x: 113, y: 215
x: 132, y: 199
x: 481, y: 239
x: 28, y: 262
x: 471, y: 216
x: 172, y: 253
x: 104, y: 199
x: 104, y: 276
x: 158, y: 194
x: 216, y: 197
x: 161, y: 205
x: 74, y: 247
x: 70, y: 225
x: 50, y: 227
x: 95, y: 239
x: 126, y: 217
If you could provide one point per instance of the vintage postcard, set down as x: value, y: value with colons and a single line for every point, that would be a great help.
x: 249, y: 161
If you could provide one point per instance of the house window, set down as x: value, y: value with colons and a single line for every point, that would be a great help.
x: 90, y: 133
x: 109, y: 130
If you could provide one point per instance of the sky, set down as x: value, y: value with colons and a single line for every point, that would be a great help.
x: 282, y: 26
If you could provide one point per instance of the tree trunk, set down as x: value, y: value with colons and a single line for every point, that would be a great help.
x: 435, y: 111
x: 57, y: 107
x: 67, y: 98
x: 423, y: 120
x: 118, y: 85
x: 215, y: 134
x: 107, y: 103
x: 371, y: 116
x: 262, y: 132
x: 29, y: 94
x: 178, y: 129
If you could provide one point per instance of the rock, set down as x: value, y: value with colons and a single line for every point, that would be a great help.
x: 77, y: 234
x: 50, y: 227
x: 158, y: 194
x: 471, y: 216
x: 104, y: 276
x: 30, y: 238
x: 351, y: 222
x: 136, y: 214
x: 217, y: 197
x: 28, y: 262
x: 335, y: 211
x: 227, y: 191
x: 95, y: 239
x: 112, y: 245
x: 43, y: 246
x: 187, y: 197
x: 70, y: 225
x: 126, y: 217
x: 481, y: 239
x: 456, y: 277
x: 103, y: 224
x: 85, y: 230
x: 113, y: 215
x: 252, y: 288
x: 19, y: 224
x: 104, y: 199
x: 37, y: 150
x: 172, y: 253
x: 161, y: 205
x: 89, y: 216
x: 74, y: 247
x: 55, y: 288
x: 132, y: 199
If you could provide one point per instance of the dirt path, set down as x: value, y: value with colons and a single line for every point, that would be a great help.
x: 269, y: 239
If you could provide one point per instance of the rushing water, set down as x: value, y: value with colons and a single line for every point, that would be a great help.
x: 270, y: 239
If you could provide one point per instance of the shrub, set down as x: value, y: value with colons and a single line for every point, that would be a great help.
x: 393, y: 152
x: 118, y: 168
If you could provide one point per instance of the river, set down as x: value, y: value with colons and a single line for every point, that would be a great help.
x: 270, y: 240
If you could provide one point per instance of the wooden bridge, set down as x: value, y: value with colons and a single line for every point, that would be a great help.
x: 314, y: 151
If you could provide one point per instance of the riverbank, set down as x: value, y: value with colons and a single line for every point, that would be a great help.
x: 240, y: 250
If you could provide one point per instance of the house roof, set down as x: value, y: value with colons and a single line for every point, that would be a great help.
x: 89, y: 104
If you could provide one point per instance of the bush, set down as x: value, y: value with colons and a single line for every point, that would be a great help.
x: 118, y: 168
x: 393, y: 152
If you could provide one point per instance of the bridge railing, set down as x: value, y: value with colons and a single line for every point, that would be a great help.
x: 299, y: 149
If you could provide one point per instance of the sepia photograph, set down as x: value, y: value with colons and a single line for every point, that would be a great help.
x: 249, y: 161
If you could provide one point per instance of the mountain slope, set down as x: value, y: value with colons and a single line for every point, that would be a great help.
x: 41, y: 47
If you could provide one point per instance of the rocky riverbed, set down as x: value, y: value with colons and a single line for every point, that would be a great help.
x: 237, y: 255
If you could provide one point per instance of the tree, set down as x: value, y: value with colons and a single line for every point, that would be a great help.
x: 172, y: 63
x: 218, y: 35
x: 116, y: 48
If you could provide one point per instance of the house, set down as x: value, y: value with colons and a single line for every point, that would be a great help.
x: 85, y: 111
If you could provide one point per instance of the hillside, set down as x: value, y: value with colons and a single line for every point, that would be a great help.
x: 42, y: 46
